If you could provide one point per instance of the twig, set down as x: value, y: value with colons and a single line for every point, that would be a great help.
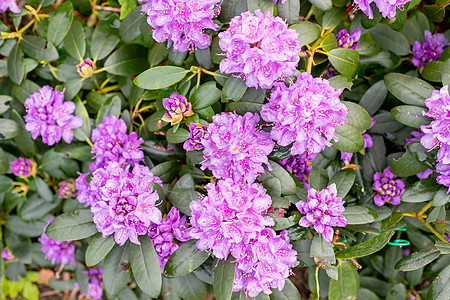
x: 107, y: 8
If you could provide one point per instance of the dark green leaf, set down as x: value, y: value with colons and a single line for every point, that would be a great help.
x: 224, y: 278
x: 391, y: 40
x: 444, y: 248
x: 322, y: 249
x: 440, y: 287
x: 74, y: 225
x: 288, y: 186
x: 434, y: 12
x: 318, y: 178
x: 350, y: 139
x: 181, y: 198
x: 398, y: 291
x: 408, y: 89
x: 160, y: 77
x: 98, y: 248
x: 243, y: 107
x: 333, y: 17
x: 441, y: 197
x: 112, y: 106
x: 367, y: 22
x: 347, y: 285
x: 446, y: 73
x: 16, y: 69
x: 128, y: 60
x: 3, y: 100
x: 356, y: 215
x: 6, y: 183
x: 340, y: 82
x: 24, y: 91
x: 433, y: 71
x: 415, y: 26
x: 4, y: 162
x: 60, y: 23
x: 43, y: 189
x: 344, y: 60
x: 184, y: 260
x: 344, y: 181
x: 9, y: 129
x: 72, y: 87
x: 84, y: 132
x: 417, y: 260
x: 421, y: 191
x: 233, y: 89
x: 407, y: 165
x: 179, y: 137
x: 114, y: 278
x: 366, y: 248
x: 74, y: 43
x: 324, y: 5
x: 206, y: 95
x: 307, y: 32
x: 105, y: 37
x: 410, y: 115
x: 19, y: 227
x: 145, y: 266
x: 130, y: 26
x: 263, y: 5
x: 289, y: 10
x: 357, y: 116
x: 391, y: 221
x: 20, y: 246
x: 232, y: 8
x: 38, y: 48
x: 189, y: 287
x: 23, y: 139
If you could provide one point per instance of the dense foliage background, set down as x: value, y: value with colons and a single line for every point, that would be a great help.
x: 126, y: 73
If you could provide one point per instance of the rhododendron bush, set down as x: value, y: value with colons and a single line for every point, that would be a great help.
x: 236, y: 149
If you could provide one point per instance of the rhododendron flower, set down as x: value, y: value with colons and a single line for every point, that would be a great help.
x: 388, y: 8
x: 124, y: 203
x: 259, y: 47
x: 49, y: 116
x: 230, y: 216
x: 323, y: 210
x: 235, y: 147
x: 345, y: 40
x: 7, y: 256
x: 182, y: 22
x: 264, y: 263
x: 95, y: 283
x: 67, y: 189
x: 177, y: 108
x: 300, y: 166
x: 11, y: 4
x: 86, y: 68
x: 196, y: 135
x: 112, y: 143
x: 275, y: 2
x: 169, y: 235
x: 388, y: 188
x: 24, y: 167
x: 59, y: 252
x: 304, y: 113
x: 429, y: 50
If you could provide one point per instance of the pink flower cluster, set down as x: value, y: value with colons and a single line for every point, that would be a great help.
x: 59, y: 252
x: 388, y: 8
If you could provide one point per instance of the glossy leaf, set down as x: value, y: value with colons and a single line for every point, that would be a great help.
x: 105, y: 37
x: 410, y: 115
x: 114, y: 277
x: 160, y: 77
x: 374, y: 97
x: 307, y: 32
x: 224, y: 278
x: 368, y: 247
x: 440, y: 287
x: 408, y: 89
x: 184, y: 260
x: 9, y: 129
x: 433, y: 71
x: 128, y: 60
x: 389, y: 39
x: 357, y: 116
x: 344, y: 180
x: 318, y: 178
x: 324, y: 5
x: 407, y: 165
x: 38, y: 48
x: 263, y: 5
x: 322, y: 249
x: 350, y: 139
x: 206, y: 95
x: 421, y: 191
x: 16, y: 69
x: 112, y: 106
x: 344, y: 60
x: 289, y: 10
x: 233, y: 89
x: 74, y: 43
x: 60, y: 23
x: 83, y: 132
x: 74, y: 225
x: 98, y: 248
x: 417, y: 260
x: 347, y: 285
x: 359, y: 215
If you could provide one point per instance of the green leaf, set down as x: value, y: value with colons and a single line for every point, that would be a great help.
x: 23, y: 139
x: 421, y: 191
x: 350, y: 139
x: 407, y: 165
x: 391, y: 221
x: 347, y: 285
x: 434, y: 13
x: 74, y: 225
x: 128, y: 60
x: 181, y: 198
x: 344, y: 180
x: 288, y: 186
x: 72, y: 87
x: 441, y: 197
x: 410, y: 115
x: 243, y: 107
x: 98, y: 248
x: 179, y: 137
x: 333, y: 17
x: 366, y: 248
x: 4, y: 162
x: 324, y: 5
x: 415, y: 25
x: 377, y: 16
x: 417, y: 260
x: 232, y: 8
x: 19, y: 227
x: 16, y: 69
x: 322, y: 249
x: 440, y: 287
x: 307, y: 32
x: 184, y: 260
x: 83, y: 132
x: 8, y: 129
x: 318, y: 178
x: 398, y: 291
x: 189, y: 287
x: 24, y: 91
x: 224, y: 278
x: 391, y: 40
x: 75, y: 43
x: 60, y: 23
x: 112, y: 106
x: 356, y: 215
x: 408, y: 89
x: 38, y: 48
x: 367, y: 294
x: 367, y: 46
x: 433, y: 71
x: 105, y: 37
x: 263, y: 5
x: 20, y: 247
x: 206, y: 95
x: 145, y: 266
x: 114, y: 278
x: 130, y: 26
x: 127, y: 6
x: 344, y: 60
x: 3, y: 100
x: 357, y: 116
x: 289, y: 11
x: 160, y: 77
x: 444, y: 248
x: 289, y: 292
x: 446, y: 73
x: 233, y: 89
x: 43, y: 189
x: 340, y: 82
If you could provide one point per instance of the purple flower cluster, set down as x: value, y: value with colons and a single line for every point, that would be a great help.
x: 7, y: 256
x: 259, y: 47
x: 299, y: 165
x: 112, y: 143
x: 305, y: 113
x: 429, y: 50
x: 323, y: 210
x: 264, y: 263
x: 388, y: 188
x: 86, y: 68
x: 23, y: 167
x: 345, y: 40
x: 59, y: 252
x: 95, y: 285
x: 437, y: 133
x: 177, y: 108
x: 388, y: 8
x: 50, y: 117
x: 197, y: 132
x: 275, y: 2
x: 235, y: 147
x: 67, y: 189
x: 182, y: 22
x: 123, y: 203
x: 229, y: 216
x: 11, y: 4
x: 169, y: 235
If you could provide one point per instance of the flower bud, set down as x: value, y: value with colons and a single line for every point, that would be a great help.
x: 86, y: 68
